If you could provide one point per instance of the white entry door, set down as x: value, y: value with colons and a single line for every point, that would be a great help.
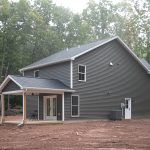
x: 50, y: 108
x: 127, y: 108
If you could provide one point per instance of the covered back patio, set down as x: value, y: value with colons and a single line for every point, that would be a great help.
x: 42, y: 99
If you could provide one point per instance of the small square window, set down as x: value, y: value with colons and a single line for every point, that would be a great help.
x: 36, y: 73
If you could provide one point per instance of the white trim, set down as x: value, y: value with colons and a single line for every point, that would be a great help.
x: 82, y: 73
x: 2, y: 108
x: 45, y: 107
x: 71, y: 74
x: 78, y: 106
x: 15, y: 82
x: 24, y: 107
x: 13, y: 92
x: 93, y: 48
x: 48, y: 89
x: 38, y: 108
x: 42, y: 65
x: 129, y: 108
x: 35, y: 72
x: 7, y: 79
x: 63, y: 107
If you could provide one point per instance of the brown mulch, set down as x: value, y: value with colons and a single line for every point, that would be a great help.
x: 102, y: 135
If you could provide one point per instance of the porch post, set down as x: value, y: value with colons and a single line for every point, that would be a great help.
x: 38, y: 108
x: 24, y: 108
x: 63, y: 115
x: 2, y: 108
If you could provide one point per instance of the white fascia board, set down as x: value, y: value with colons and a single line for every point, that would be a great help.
x: 71, y: 74
x: 8, y: 78
x: 47, y: 89
x: 16, y: 82
x: 133, y: 54
x: 42, y: 65
x: 13, y: 92
x: 93, y: 48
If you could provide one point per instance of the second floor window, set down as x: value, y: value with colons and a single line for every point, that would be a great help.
x: 81, y: 72
x: 36, y: 73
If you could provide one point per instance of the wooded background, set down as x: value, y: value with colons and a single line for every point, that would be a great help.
x: 33, y: 29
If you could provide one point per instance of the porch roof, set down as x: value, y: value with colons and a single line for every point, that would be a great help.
x: 30, y: 83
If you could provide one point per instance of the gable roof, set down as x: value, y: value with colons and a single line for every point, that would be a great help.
x: 65, y: 55
x: 36, y: 83
x: 73, y: 53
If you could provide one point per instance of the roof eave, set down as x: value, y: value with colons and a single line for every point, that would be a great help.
x: 88, y: 50
x: 43, y: 65
x: 7, y: 79
x: 48, y: 89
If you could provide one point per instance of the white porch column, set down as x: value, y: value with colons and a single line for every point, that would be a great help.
x: 38, y: 108
x: 2, y: 108
x: 24, y: 108
x: 63, y: 112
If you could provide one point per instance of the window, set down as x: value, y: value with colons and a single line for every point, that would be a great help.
x: 82, y: 73
x: 36, y: 73
x: 126, y: 104
x: 75, y: 106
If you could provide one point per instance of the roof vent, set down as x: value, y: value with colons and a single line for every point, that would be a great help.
x: 67, y: 49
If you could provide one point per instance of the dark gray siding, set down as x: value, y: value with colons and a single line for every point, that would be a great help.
x: 59, y: 107
x: 67, y: 105
x: 32, y: 107
x: 41, y: 107
x: 11, y: 86
x: 107, y: 86
x: 58, y: 71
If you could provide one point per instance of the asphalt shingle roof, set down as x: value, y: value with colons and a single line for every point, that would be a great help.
x: 27, y: 82
x: 66, y: 54
x: 72, y: 53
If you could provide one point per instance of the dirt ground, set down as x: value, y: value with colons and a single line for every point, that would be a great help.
x: 91, y: 135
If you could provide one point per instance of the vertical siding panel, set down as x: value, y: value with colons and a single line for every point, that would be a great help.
x: 59, y: 107
x: 41, y: 107
x: 67, y: 105
x: 32, y: 105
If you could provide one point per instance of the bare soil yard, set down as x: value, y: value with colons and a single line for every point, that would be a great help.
x: 105, y: 135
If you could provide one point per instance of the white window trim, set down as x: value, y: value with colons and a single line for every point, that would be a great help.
x: 71, y: 74
x: 78, y: 106
x: 35, y: 72
x: 82, y: 73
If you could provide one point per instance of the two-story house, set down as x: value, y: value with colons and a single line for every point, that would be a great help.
x: 84, y: 82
